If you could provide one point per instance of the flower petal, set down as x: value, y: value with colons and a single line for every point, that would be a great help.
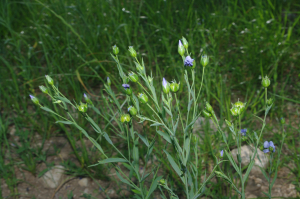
x: 266, y: 144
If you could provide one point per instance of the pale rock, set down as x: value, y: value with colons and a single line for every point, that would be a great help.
x: 52, y: 177
x: 83, y: 182
x: 251, y: 196
x: 86, y: 190
x: 246, y: 154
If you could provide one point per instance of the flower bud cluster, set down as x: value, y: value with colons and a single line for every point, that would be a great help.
x: 237, y: 108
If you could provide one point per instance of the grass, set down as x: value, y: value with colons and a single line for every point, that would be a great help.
x: 71, y: 41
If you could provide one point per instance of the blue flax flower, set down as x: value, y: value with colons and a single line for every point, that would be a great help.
x: 222, y: 153
x: 126, y: 86
x: 269, y: 146
x: 188, y: 61
x: 243, y: 132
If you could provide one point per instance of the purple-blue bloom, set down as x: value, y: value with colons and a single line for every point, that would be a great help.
x: 180, y: 44
x: 84, y: 95
x: 164, y: 83
x: 188, y: 61
x: 31, y: 96
x: 222, y: 153
x: 268, y: 146
x: 126, y: 86
x: 243, y: 132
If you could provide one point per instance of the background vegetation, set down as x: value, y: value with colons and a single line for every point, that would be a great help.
x: 71, y: 41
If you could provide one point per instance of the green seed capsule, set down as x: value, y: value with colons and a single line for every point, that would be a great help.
x: 234, y: 111
x: 125, y: 118
x: 174, y: 87
x: 270, y: 101
x: 133, y: 77
x: 206, y: 114
x: 265, y: 82
x: 132, y: 110
x: 82, y: 107
x: 143, y: 98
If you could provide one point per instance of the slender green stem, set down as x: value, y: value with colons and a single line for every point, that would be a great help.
x: 186, y: 186
x: 177, y: 104
x: 201, y: 84
x: 156, y: 104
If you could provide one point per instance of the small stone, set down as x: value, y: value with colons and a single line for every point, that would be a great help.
x: 251, y: 196
x: 52, y: 177
x: 83, y: 182
x: 246, y: 153
x: 86, y: 190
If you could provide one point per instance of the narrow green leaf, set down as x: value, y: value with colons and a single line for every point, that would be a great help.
x: 109, y: 160
x: 107, y: 138
x: 232, y: 162
x: 96, y: 110
x: 190, y: 104
x: 268, y: 109
x: 64, y: 122
x: 156, y: 124
x: 174, y: 165
x: 47, y: 109
x: 176, y: 125
x: 192, y: 123
x: 168, y: 111
x: 248, y: 171
x: 94, y: 124
x: 165, y: 136
x: 124, y: 180
x: 153, y: 186
x: 63, y: 99
x: 144, y: 139
x: 144, y: 178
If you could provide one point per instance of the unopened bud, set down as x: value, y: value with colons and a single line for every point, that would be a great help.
x: 185, y: 43
x: 34, y: 100
x: 181, y: 49
x: 43, y: 89
x: 265, y: 82
x: 49, y: 80
x: 166, y: 86
x: 115, y: 49
x: 132, y: 51
x: 204, y: 60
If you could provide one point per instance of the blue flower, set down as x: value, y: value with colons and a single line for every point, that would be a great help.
x: 222, y: 153
x: 180, y: 44
x: 243, y: 132
x: 188, y: 61
x: 164, y: 83
x: 269, y: 146
x: 126, y: 86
